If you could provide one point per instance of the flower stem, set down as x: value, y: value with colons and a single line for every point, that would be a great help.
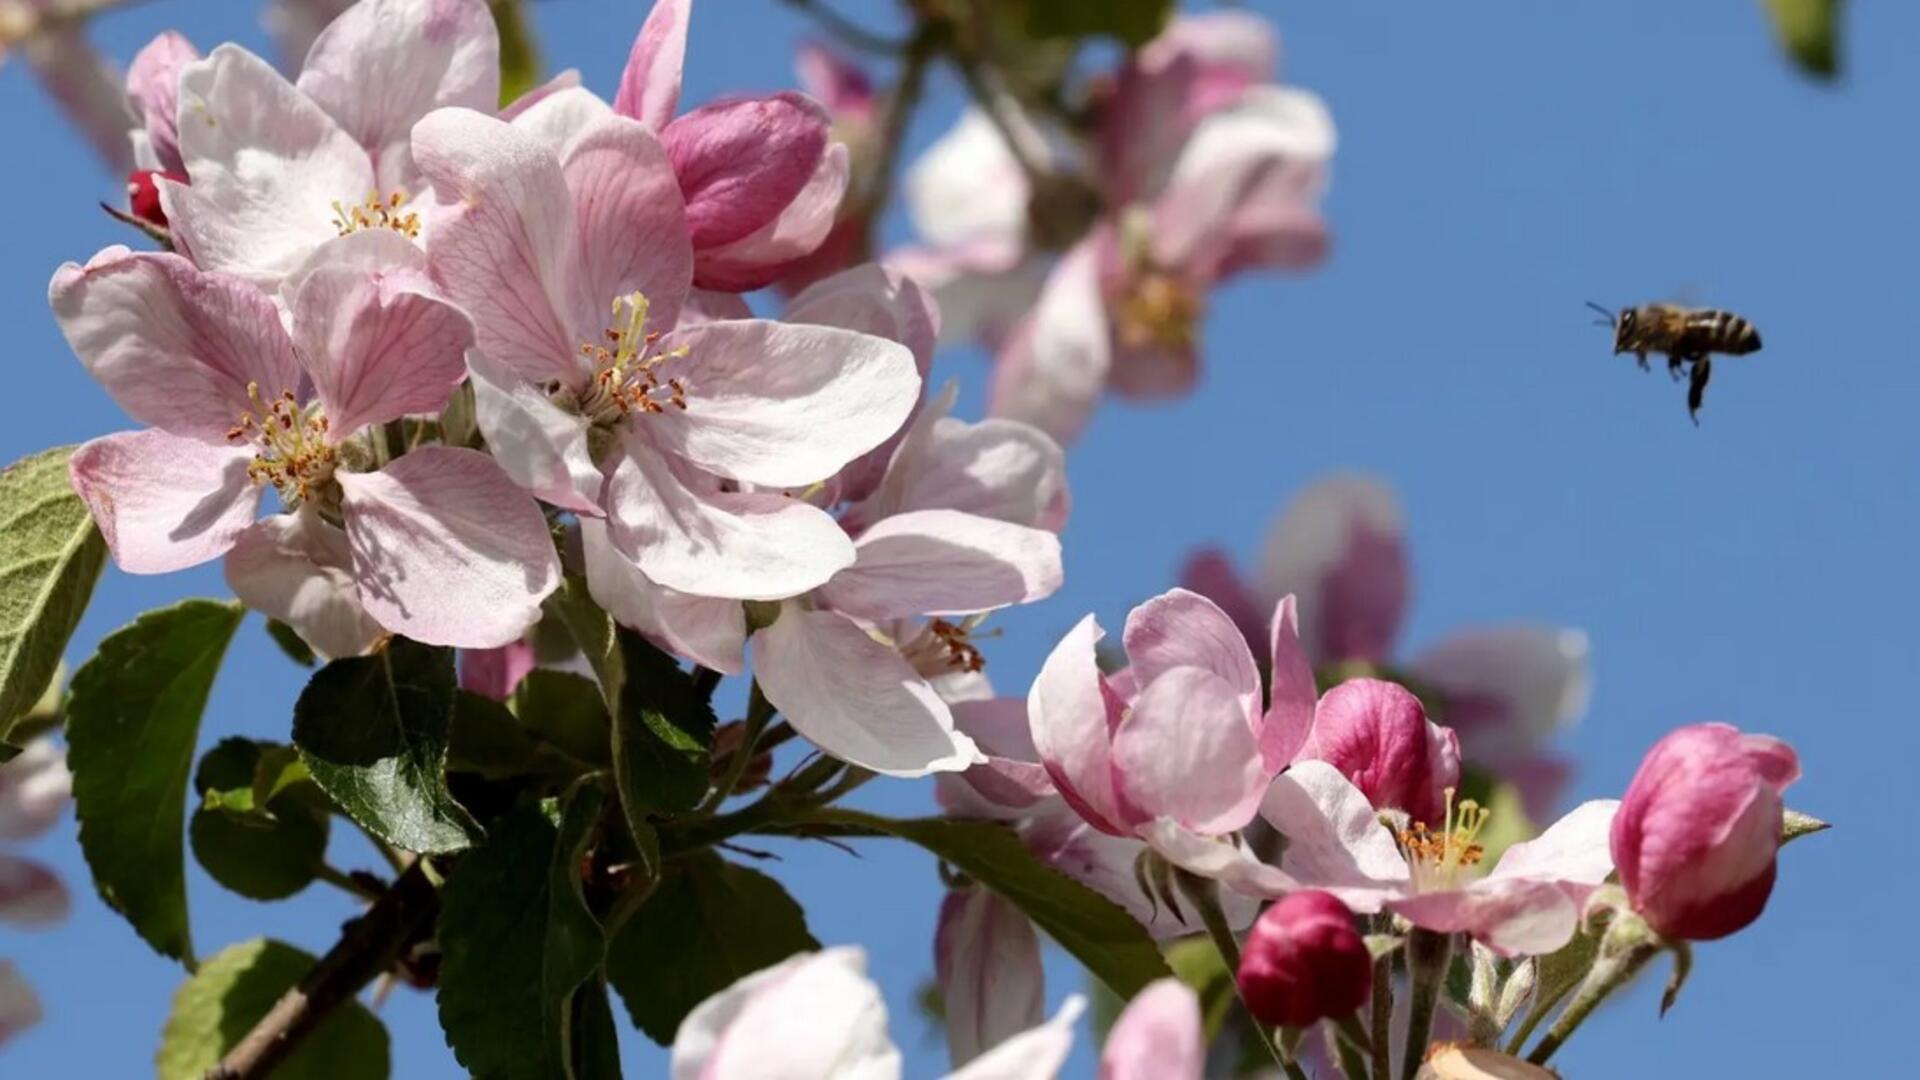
x: 1427, y: 956
x: 1628, y: 946
x: 1204, y: 895
x: 346, y: 882
x: 1351, y: 1044
x: 759, y: 714
x: 1382, y: 1017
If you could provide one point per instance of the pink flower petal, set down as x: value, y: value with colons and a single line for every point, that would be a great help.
x: 836, y: 82
x: 505, y: 252
x: 153, y: 86
x: 816, y: 1014
x: 1378, y: 735
x: 785, y: 242
x: 783, y: 405
x: 1507, y: 688
x: 566, y: 80
x: 740, y: 545
x: 1513, y: 918
x: 162, y: 502
x: 1210, y: 572
x: 1289, y: 719
x: 30, y: 894
x: 1011, y: 781
x: 1054, y: 366
x: 496, y: 673
x: 1186, y: 752
x: 384, y: 64
x: 561, y: 117
x: 968, y: 186
x: 1072, y: 714
x: 854, y: 697
x: 35, y: 790
x: 19, y: 1006
x: 1572, y: 850
x: 630, y: 228
x: 1035, y: 1054
x: 542, y: 446
x: 298, y: 569
x: 447, y: 549
x: 1157, y: 1037
x: 175, y: 346
x: 1184, y: 629
x: 267, y: 165
x: 1000, y: 469
x: 1105, y: 863
x: 1339, y: 548
x: 379, y: 344
x: 710, y: 632
x: 943, y: 562
x: 1225, y: 859
x: 741, y: 162
x: 650, y: 85
x: 983, y: 287
x: 1334, y: 837
x: 987, y: 959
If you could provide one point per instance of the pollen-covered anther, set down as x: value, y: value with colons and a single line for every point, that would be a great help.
x: 1158, y: 310
x: 626, y: 377
x: 293, y: 452
x: 1437, y: 859
x: 962, y: 654
x: 377, y: 212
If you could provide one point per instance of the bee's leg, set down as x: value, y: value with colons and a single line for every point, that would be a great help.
x: 1643, y: 361
x: 1674, y: 360
x: 1697, y: 387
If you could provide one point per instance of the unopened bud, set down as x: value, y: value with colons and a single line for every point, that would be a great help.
x: 143, y: 195
x: 1304, y: 962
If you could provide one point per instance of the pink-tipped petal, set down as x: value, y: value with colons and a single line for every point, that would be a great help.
x: 378, y: 343
x: 1011, y: 781
x: 506, y: 250
x: 1186, y: 752
x: 1053, y: 367
x: 709, y: 632
x: 561, y: 117
x: 784, y: 405
x: 566, y: 80
x: 174, y: 345
x: 1378, y: 735
x: 162, y: 502
x: 943, y: 562
x: 650, y: 85
x: 854, y: 697
x: 1034, y: 1054
x: 1225, y: 859
x: 35, y: 790
x: 1184, y: 629
x: 1061, y: 838
x: 1572, y: 850
x: 1513, y: 918
x: 153, y: 85
x: 1157, y: 1037
x: 1334, y: 837
x: 1210, y: 572
x: 1072, y: 715
x: 785, y: 243
x: 740, y: 545
x: 1340, y: 548
x: 814, y: 1015
x: 630, y: 228
x: 987, y: 959
x: 384, y: 64
x: 496, y: 673
x: 542, y: 446
x: 1000, y: 469
x: 267, y: 165
x: 447, y: 549
x: 836, y: 82
x: 741, y: 162
x: 297, y: 568
x: 1289, y: 719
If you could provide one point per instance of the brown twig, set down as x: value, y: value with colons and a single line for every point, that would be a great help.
x: 369, y: 943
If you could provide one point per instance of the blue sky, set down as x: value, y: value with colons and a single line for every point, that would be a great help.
x: 1499, y: 163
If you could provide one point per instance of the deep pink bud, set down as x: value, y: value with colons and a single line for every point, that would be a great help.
x: 143, y: 195
x: 1378, y: 735
x: 1304, y: 961
x: 1697, y: 833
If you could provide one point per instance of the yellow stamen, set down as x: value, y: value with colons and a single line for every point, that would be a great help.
x: 294, y: 453
x: 1158, y: 310
x: 376, y: 212
x: 626, y: 379
x: 1439, y: 860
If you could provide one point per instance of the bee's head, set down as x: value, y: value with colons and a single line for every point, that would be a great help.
x: 1623, y: 330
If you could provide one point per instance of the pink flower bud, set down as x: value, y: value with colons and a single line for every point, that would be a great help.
x: 143, y: 195
x: 1378, y: 735
x: 1696, y: 835
x: 1304, y: 961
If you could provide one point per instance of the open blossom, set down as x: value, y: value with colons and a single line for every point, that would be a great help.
x: 276, y: 168
x: 438, y: 543
x: 1340, y: 547
x: 574, y: 263
x: 1204, y: 169
x: 1336, y: 841
x: 1698, y: 831
x: 817, y: 1016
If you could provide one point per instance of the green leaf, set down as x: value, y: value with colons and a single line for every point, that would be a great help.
x: 1111, y: 943
x: 661, y: 737
x: 486, y: 739
x: 519, y: 58
x: 593, y: 630
x: 214, y: 1009
x: 1196, y: 962
x: 50, y: 557
x: 1809, y: 31
x: 261, y: 829
x: 1796, y: 825
x: 373, y: 731
x: 522, y: 950
x: 133, y: 716
x: 1134, y: 22
x: 708, y: 924
x: 565, y: 711
x: 291, y: 643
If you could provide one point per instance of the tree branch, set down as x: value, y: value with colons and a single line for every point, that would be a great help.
x: 369, y: 944
x: 850, y: 33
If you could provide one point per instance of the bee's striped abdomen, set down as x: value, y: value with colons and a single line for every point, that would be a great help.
x: 1719, y: 332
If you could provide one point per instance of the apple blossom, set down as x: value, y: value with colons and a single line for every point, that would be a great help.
x: 1698, y: 829
x: 987, y: 961
x: 1378, y: 736
x: 438, y: 544
x: 1158, y: 1036
x: 1304, y: 962
x: 1340, y: 547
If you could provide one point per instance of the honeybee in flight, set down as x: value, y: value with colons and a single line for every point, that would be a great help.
x: 1689, y: 336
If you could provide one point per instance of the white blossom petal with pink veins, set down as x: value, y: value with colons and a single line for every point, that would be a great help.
x: 814, y: 1015
x: 298, y: 569
x: 1527, y: 905
x: 987, y: 959
x: 1037, y: 1053
x: 855, y: 697
x: 944, y: 562
x: 447, y: 549
x: 1011, y: 783
x: 1157, y: 1037
x: 35, y: 789
x: 153, y: 88
x: 995, y: 468
x: 710, y: 632
x: 164, y: 502
x: 650, y: 85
